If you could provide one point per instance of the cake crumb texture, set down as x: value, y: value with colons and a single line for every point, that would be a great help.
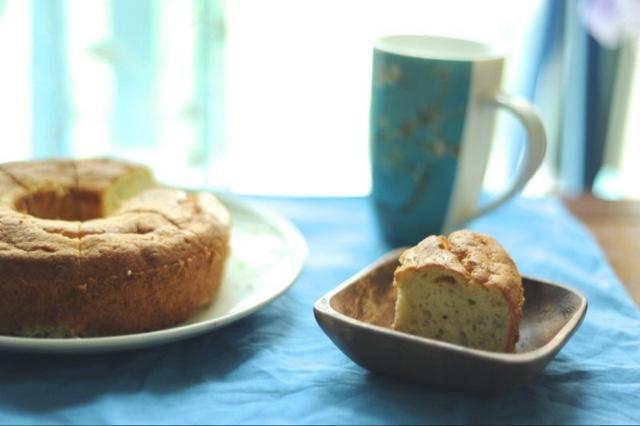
x: 463, y: 289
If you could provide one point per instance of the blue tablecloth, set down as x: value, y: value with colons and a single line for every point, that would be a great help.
x: 277, y: 366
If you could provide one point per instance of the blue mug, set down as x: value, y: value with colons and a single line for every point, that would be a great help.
x: 433, y: 109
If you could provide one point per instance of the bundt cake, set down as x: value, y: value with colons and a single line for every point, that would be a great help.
x: 96, y: 247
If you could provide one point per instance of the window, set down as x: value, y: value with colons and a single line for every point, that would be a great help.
x: 252, y: 96
x: 298, y: 79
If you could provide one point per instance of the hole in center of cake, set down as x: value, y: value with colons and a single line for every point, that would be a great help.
x: 89, y: 198
x: 61, y: 204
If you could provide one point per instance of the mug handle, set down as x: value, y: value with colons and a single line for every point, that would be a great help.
x: 534, y: 148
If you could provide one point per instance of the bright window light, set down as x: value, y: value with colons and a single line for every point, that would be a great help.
x: 298, y: 82
x: 15, y: 84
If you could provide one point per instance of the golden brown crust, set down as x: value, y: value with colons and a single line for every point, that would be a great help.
x: 475, y: 258
x: 40, y: 175
x: 135, y: 270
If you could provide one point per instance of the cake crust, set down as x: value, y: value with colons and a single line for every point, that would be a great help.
x: 474, y: 258
x: 135, y: 269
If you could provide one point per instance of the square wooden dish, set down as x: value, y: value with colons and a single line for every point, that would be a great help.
x: 357, y: 317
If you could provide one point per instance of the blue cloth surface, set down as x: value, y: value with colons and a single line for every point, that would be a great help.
x: 277, y: 366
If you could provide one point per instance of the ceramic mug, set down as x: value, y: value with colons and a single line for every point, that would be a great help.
x: 433, y: 109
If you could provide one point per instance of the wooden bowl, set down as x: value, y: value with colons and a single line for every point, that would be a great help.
x: 357, y: 317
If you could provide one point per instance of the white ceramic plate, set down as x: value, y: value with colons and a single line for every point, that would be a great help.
x: 267, y: 254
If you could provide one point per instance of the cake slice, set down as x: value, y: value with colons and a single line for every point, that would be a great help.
x: 464, y: 289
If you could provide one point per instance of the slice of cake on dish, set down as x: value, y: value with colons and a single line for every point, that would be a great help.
x: 462, y: 289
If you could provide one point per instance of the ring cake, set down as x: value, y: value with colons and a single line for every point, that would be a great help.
x: 462, y: 289
x: 95, y: 247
